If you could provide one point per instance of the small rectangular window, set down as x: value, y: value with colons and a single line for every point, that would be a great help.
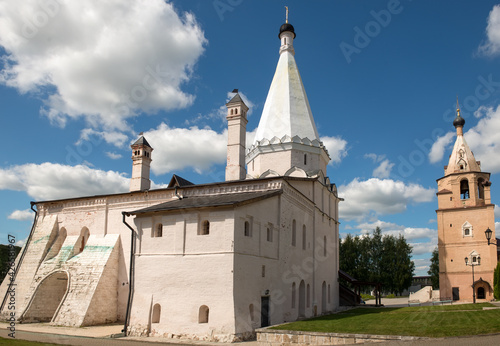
x: 269, y: 234
x: 263, y: 271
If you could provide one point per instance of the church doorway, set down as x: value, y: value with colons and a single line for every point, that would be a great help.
x: 47, y: 298
x: 264, y: 312
x: 302, y: 299
x: 480, y: 293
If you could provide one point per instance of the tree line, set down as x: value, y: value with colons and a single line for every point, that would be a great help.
x: 375, y: 258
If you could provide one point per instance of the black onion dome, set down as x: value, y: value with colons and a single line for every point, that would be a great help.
x: 459, y: 121
x: 287, y: 27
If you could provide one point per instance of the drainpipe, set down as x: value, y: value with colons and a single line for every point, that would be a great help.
x: 21, y: 257
x: 131, y: 272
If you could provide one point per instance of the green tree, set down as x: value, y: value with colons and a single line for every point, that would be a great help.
x: 348, y: 259
x: 5, y: 257
x: 378, y: 258
x: 434, y: 269
x: 388, y: 264
x: 376, y: 252
x: 496, y: 282
x: 405, y: 268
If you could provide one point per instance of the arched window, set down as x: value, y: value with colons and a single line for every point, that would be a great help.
x: 236, y: 111
x: 203, y: 314
x: 82, y: 241
x: 324, y: 246
x: 323, y: 297
x: 159, y: 230
x: 480, y: 188
x: 269, y: 234
x: 294, y: 233
x: 205, y: 228
x: 293, y: 295
x: 251, y: 311
x: 247, y: 229
x: 464, y: 189
x: 57, y: 244
x: 302, y: 299
x: 308, y: 294
x: 304, y: 245
x: 156, y: 313
x: 232, y: 111
x: 305, y: 159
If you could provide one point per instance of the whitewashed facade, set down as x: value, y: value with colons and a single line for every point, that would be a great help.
x: 211, y: 261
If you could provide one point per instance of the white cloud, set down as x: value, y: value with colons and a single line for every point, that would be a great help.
x: 113, y: 156
x: 336, y: 147
x: 49, y: 181
x: 105, y: 61
x: 179, y: 148
x: 221, y: 113
x: 115, y: 138
x: 374, y: 157
x: 492, y: 45
x: 381, y: 196
x: 410, y: 233
x: 440, y: 145
x: 383, y: 170
x: 484, y: 139
x: 21, y: 215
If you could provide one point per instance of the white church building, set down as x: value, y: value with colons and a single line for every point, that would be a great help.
x: 202, y: 261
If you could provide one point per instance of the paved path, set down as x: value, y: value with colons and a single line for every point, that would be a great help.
x: 95, y: 335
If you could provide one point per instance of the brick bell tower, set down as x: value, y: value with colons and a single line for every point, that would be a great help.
x: 464, y: 213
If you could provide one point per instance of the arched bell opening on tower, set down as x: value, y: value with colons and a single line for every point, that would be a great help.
x: 480, y: 188
x: 464, y: 189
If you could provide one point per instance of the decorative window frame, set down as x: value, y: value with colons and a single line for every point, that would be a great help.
x: 473, y: 257
x: 467, y: 227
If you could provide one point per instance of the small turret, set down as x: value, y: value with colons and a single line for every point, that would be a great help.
x: 141, y: 162
x: 236, y: 138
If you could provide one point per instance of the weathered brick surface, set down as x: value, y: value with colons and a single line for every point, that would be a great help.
x: 76, y: 290
x: 45, y: 230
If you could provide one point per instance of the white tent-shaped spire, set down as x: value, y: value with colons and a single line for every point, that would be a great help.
x: 286, y: 141
x: 287, y: 110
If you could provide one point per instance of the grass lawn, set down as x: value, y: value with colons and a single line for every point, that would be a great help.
x: 427, y: 321
x: 17, y: 342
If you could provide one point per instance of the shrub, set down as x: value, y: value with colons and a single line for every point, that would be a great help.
x: 366, y: 297
x: 496, y: 282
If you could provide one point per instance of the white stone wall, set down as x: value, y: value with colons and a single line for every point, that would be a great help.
x: 183, y: 271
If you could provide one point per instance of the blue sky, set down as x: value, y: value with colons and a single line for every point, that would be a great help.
x: 79, y: 81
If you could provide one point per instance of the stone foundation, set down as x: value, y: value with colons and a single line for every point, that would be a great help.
x: 272, y: 337
x: 143, y: 331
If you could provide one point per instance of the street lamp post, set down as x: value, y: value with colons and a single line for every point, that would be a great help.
x: 488, y: 234
x: 472, y: 264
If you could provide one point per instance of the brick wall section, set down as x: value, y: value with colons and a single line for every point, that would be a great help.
x: 44, y: 231
x: 86, y: 272
x: 104, y: 304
